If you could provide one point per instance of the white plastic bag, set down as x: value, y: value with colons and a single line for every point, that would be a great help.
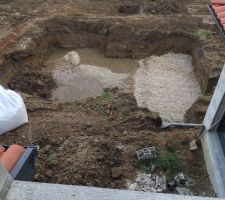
x: 13, y: 112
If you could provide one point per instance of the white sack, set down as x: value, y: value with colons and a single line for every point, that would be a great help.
x: 13, y: 112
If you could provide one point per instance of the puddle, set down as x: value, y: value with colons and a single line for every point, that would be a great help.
x: 164, y: 84
x: 95, y: 73
x: 167, y: 84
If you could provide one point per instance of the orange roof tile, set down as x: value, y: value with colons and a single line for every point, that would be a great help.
x: 217, y: 10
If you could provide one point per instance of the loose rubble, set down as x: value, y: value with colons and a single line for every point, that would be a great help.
x: 181, y: 184
x: 149, y: 183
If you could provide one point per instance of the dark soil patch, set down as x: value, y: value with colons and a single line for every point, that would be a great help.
x: 34, y: 83
x: 129, y: 8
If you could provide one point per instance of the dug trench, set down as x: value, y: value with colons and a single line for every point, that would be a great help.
x: 93, y: 141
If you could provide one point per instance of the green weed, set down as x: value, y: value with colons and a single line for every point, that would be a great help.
x: 204, y: 34
x: 106, y: 95
x: 165, y: 160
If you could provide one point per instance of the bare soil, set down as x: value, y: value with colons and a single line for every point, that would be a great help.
x: 84, y: 142
x: 34, y: 83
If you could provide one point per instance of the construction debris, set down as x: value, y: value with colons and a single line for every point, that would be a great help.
x: 193, y: 145
x: 146, y: 153
x: 183, y: 191
x: 181, y: 184
x: 149, y: 183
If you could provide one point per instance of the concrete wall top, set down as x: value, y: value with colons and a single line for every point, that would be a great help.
x: 42, y: 191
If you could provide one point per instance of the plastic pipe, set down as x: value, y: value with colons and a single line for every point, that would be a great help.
x: 11, y: 156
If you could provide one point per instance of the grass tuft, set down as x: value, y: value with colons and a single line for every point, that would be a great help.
x: 204, y: 34
x: 166, y: 161
x: 106, y: 95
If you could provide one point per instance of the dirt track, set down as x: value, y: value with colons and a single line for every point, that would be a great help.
x: 97, y: 130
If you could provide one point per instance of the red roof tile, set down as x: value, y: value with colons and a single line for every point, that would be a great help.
x: 218, y: 2
x: 217, y: 10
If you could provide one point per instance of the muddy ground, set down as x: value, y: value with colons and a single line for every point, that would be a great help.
x: 84, y: 142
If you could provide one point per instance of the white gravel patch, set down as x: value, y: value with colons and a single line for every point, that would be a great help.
x: 167, y: 84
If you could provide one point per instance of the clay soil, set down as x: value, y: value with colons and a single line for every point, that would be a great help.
x: 93, y: 142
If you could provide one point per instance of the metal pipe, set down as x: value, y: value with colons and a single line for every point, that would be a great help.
x: 181, y: 125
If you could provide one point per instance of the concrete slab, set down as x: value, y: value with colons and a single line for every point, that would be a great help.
x: 42, y: 191
x: 215, y: 162
x: 5, y: 182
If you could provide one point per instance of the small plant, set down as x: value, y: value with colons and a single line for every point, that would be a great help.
x: 106, y: 95
x: 165, y: 160
x: 147, y: 169
x: 204, y: 34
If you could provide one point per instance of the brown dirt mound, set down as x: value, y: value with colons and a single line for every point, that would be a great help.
x: 34, y: 83
x: 198, y: 110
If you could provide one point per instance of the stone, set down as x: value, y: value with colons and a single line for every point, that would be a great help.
x: 117, y: 172
x: 73, y: 58
x: 183, y: 191
x: 151, y: 183
x: 49, y: 173
x: 153, y: 168
x: 132, y: 186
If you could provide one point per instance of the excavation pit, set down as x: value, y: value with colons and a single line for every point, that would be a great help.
x: 89, y: 137
x: 164, y: 84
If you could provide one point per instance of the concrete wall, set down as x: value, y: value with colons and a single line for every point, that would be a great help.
x: 43, y: 191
